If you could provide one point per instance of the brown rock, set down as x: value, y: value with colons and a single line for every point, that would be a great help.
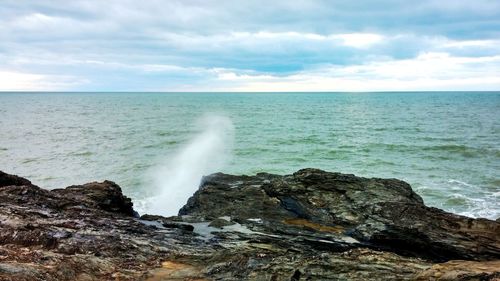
x: 311, y: 225
x: 462, y: 270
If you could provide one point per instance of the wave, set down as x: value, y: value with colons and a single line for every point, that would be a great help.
x: 463, y: 150
x: 437, y: 150
x: 460, y: 197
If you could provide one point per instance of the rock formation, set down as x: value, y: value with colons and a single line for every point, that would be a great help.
x: 312, y: 225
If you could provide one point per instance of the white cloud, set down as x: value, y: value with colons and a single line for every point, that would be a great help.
x: 285, y: 45
x: 269, y: 39
x: 429, y: 65
x: 428, y: 71
x: 359, y: 40
x: 35, y: 21
x: 308, y: 83
x: 471, y: 43
x: 47, y: 27
x: 18, y: 81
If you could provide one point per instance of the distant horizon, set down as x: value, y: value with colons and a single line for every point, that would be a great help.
x: 250, y: 92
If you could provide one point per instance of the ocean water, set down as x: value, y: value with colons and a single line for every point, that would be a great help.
x: 446, y: 145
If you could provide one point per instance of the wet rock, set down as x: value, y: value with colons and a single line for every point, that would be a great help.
x: 348, y: 211
x: 311, y: 225
x: 462, y: 270
x: 220, y: 223
x: 148, y: 217
x: 181, y: 226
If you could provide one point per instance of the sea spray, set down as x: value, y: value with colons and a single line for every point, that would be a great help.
x: 177, y: 178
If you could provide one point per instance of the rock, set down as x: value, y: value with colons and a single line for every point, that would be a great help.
x: 6, y: 180
x: 220, y: 223
x: 158, y: 218
x: 148, y: 217
x: 176, y: 271
x: 312, y: 225
x: 181, y: 226
x: 462, y: 270
x: 382, y: 214
x: 106, y: 195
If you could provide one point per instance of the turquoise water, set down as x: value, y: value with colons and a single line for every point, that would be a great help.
x: 446, y: 145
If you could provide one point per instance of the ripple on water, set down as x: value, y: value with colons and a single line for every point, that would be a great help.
x: 81, y: 153
x: 427, y: 138
x: 463, y: 150
x: 494, y: 182
x: 380, y: 163
x: 29, y: 160
x: 163, y: 133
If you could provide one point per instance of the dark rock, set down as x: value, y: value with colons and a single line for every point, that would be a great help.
x: 148, y: 217
x: 312, y: 225
x: 381, y: 214
x: 106, y: 195
x: 220, y: 223
x: 182, y: 226
x: 6, y: 180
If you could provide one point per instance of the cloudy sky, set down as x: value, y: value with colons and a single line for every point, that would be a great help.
x: 253, y: 45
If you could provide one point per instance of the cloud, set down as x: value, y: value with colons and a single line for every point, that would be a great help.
x: 428, y: 71
x: 221, y: 44
x: 17, y: 81
x: 359, y: 40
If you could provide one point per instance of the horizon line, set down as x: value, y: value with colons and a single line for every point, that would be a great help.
x: 249, y: 92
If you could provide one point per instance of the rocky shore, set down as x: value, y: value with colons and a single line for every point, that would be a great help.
x: 311, y: 225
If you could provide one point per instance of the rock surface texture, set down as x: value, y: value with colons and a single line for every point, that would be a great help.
x: 312, y: 225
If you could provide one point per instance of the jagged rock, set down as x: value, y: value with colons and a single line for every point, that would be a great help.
x: 352, y: 211
x: 182, y: 226
x: 462, y: 270
x: 6, y: 180
x: 220, y: 223
x: 106, y: 195
x: 311, y: 225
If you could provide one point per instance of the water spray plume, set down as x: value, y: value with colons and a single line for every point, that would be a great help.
x: 179, y: 177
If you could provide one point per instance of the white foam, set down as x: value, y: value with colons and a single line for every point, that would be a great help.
x: 474, y: 201
x: 177, y: 178
x: 257, y: 220
x: 458, y: 182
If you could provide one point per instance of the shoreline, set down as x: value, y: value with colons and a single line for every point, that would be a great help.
x: 310, y: 224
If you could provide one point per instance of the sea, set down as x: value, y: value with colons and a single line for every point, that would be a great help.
x: 157, y: 146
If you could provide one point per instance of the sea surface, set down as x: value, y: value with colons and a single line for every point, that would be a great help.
x: 445, y: 144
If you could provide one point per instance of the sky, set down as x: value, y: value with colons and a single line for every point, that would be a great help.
x: 252, y: 45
